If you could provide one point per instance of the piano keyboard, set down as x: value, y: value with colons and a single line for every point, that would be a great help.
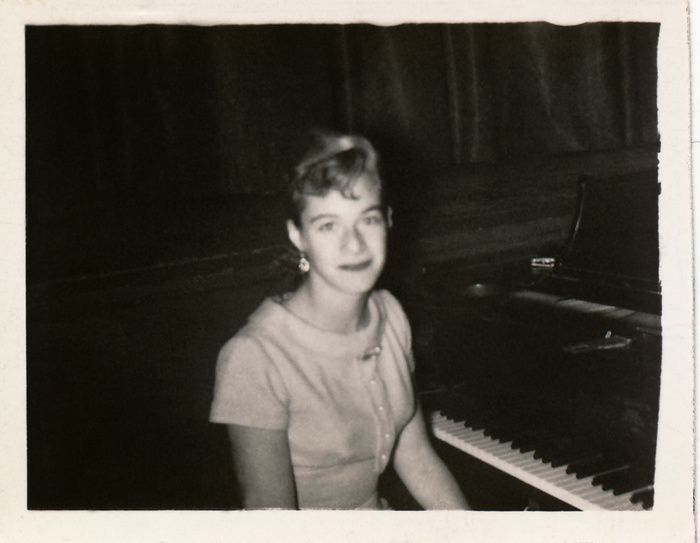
x: 580, y: 493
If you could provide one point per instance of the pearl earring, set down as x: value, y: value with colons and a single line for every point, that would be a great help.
x: 304, y: 265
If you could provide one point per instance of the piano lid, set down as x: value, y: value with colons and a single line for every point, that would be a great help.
x: 612, y: 254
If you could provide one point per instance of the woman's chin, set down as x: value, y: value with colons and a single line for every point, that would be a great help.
x: 356, y: 285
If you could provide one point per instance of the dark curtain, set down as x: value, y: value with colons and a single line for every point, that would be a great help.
x: 136, y: 135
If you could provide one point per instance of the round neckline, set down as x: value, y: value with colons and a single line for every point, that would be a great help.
x: 372, y: 313
x: 281, y: 320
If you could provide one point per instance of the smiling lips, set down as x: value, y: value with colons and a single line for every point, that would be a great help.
x: 356, y: 267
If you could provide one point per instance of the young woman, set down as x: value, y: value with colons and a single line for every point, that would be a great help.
x: 317, y: 388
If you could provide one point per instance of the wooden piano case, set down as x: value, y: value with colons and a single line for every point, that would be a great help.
x: 562, y: 364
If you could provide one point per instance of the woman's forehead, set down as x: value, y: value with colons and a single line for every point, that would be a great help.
x: 364, y: 195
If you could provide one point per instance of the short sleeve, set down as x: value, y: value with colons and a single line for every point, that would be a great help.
x: 396, y: 318
x: 249, y: 389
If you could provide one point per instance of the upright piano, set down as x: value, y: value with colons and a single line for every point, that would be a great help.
x: 558, y: 384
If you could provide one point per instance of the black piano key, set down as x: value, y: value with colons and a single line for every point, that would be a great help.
x: 504, y: 430
x: 458, y: 407
x: 611, y: 472
x: 484, y: 420
x: 533, y: 441
x: 569, y: 449
x: 558, y: 448
x: 490, y: 420
x: 528, y: 431
x: 646, y: 498
x: 507, y: 424
x: 584, y: 464
x: 551, y: 448
x: 593, y: 467
x: 638, y: 477
x: 577, y: 456
x: 612, y: 479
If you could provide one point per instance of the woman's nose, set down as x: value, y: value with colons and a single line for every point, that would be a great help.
x: 354, y: 242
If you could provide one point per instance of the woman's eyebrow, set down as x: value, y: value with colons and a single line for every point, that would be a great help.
x: 322, y: 216
x: 375, y: 207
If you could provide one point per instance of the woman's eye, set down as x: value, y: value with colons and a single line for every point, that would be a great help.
x: 373, y: 219
x: 326, y: 227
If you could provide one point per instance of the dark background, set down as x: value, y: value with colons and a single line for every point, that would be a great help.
x: 155, y: 161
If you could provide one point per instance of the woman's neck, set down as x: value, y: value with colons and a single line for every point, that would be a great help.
x: 332, y: 311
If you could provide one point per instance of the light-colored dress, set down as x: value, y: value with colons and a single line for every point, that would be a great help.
x: 343, y: 399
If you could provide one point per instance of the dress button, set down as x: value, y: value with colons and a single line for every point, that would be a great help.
x: 373, y: 381
x: 381, y: 408
x: 387, y: 436
x: 384, y: 457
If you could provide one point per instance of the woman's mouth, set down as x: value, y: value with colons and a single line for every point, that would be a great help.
x: 356, y: 267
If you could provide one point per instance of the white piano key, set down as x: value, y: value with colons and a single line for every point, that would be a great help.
x: 623, y: 502
x: 525, y: 459
x: 605, y: 496
x: 478, y: 440
x: 627, y: 498
x: 615, y: 502
x: 579, y: 493
x: 542, y: 468
x: 556, y: 475
x: 594, y: 490
x: 463, y: 432
x: 511, y: 455
x: 440, y: 421
x: 494, y: 447
x: 576, y: 485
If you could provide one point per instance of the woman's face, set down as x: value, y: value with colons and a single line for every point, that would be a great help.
x: 344, y: 239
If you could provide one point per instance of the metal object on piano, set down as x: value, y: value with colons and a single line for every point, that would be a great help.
x: 542, y: 262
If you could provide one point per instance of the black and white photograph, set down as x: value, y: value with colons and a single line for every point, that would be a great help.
x: 346, y: 265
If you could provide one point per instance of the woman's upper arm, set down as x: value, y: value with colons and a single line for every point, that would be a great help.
x: 413, y: 439
x: 263, y: 466
x: 422, y: 471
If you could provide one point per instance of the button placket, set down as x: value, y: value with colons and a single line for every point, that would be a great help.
x: 385, y: 426
x: 380, y: 405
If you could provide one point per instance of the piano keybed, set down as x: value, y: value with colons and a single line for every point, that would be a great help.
x: 576, y: 424
x: 580, y: 490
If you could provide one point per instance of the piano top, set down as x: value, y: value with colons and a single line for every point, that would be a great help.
x: 612, y: 254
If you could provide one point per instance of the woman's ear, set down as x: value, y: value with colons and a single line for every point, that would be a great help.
x: 389, y: 216
x: 294, y: 235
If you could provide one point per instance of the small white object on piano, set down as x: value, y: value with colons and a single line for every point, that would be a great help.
x: 542, y: 262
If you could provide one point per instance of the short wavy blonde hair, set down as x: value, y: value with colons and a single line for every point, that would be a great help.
x: 331, y: 161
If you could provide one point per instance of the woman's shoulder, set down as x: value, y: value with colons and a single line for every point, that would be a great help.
x: 253, y: 335
x: 387, y: 299
x: 391, y: 306
x: 248, y: 389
